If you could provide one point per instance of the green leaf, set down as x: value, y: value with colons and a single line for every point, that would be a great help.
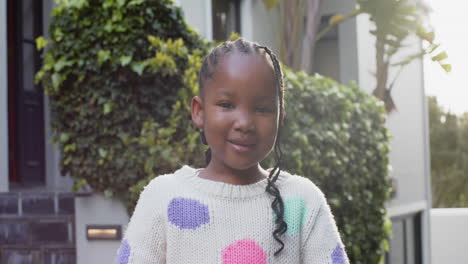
x: 58, y: 35
x: 138, y: 67
x: 441, y: 56
x: 40, y: 43
x: 78, y: 184
x: 125, y: 60
x: 108, y: 107
x: 103, y: 55
x: 135, y: 2
x: 446, y: 67
x: 57, y: 80
x: 64, y: 137
x: 103, y: 153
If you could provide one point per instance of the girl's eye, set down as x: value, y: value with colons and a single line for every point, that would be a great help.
x: 226, y: 105
x: 265, y: 109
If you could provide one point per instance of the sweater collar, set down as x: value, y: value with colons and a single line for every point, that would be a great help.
x: 225, y: 190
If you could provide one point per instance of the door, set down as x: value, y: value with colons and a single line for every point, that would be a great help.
x: 26, y: 111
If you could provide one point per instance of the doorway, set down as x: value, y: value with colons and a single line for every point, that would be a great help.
x: 26, y: 144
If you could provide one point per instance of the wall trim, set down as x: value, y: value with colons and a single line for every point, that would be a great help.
x: 4, y: 170
x: 410, y: 208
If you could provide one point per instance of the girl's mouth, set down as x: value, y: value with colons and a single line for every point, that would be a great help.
x: 241, y: 146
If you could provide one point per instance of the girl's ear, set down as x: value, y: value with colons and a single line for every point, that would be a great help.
x: 197, y: 111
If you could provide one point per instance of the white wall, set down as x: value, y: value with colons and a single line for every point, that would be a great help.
x: 449, y: 230
x: 259, y: 24
x: 97, y: 210
x: 4, y: 173
x: 198, y: 16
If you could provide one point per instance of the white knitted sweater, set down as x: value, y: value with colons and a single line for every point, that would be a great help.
x: 182, y: 218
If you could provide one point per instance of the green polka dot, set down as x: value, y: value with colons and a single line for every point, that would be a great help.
x: 295, y: 214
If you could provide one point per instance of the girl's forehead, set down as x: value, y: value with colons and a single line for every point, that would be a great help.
x: 241, y: 66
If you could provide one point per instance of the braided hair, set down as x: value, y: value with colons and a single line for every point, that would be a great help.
x: 206, y: 72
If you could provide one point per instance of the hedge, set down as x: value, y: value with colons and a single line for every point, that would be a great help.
x: 335, y: 135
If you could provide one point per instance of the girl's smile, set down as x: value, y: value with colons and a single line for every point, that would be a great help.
x: 239, y: 114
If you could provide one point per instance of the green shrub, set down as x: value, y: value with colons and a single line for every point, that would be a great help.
x: 335, y: 135
x: 110, y: 84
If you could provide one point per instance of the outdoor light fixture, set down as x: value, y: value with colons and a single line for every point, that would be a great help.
x: 103, y: 232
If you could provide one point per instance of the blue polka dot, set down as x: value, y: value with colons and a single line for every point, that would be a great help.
x: 338, y: 255
x: 124, y: 253
x: 187, y: 213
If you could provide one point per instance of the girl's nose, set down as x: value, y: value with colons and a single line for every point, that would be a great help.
x: 244, y: 122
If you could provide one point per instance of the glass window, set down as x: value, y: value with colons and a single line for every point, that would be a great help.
x: 226, y: 18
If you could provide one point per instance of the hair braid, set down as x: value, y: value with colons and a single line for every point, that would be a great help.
x: 207, y: 71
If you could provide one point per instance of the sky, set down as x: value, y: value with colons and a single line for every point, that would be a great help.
x: 450, y: 21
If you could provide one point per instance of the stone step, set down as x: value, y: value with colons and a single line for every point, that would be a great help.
x: 37, y: 256
x: 37, y: 228
x: 41, y: 203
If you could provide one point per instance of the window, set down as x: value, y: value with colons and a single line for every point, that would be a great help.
x: 405, y: 245
x: 226, y: 18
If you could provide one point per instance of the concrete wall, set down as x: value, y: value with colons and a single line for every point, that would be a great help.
x: 97, y: 210
x: 449, y: 230
x: 4, y: 174
x: 198, y: 16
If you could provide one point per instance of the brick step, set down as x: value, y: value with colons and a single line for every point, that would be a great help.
x: 37, y: 228
x: 37, y: 256
x: 40, y: 203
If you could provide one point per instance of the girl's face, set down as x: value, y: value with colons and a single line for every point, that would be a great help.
x: 239, y: 111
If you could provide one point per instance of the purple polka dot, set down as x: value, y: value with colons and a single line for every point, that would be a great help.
x: 338, y: 255
x: 187, y: 213
x: 124, y: 253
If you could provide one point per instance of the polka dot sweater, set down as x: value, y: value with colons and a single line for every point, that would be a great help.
x: 182, y: 218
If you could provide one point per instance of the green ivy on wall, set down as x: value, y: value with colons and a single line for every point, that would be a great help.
x: 113, y: 71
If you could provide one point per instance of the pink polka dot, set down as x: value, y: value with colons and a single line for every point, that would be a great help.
x: 244, y: 252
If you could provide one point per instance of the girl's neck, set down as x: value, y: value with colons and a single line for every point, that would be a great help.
x: 233, y: 176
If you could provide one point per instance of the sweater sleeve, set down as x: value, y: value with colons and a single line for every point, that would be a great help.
x: 144, y: 239
x: 323, y: 243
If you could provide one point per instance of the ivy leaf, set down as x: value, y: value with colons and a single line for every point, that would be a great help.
x: 135, y: 2
x: 103, y: 55
x: 64, y: 137
x: 102, y: 153
x: 58, y: 34
x: 41, y: 43
x: 125, y: 60
x: 108, y: 107
x: 57, y: 79
x: 138, y: 67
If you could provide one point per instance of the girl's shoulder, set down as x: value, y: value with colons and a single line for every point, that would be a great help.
x: 171, y: 179
x: 165, y: 185
x: 297, y: 187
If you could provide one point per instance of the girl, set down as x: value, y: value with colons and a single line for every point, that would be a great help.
x: 234, y: 211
